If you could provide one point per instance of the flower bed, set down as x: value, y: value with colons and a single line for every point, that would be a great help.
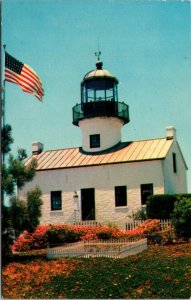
x: 159, y: 272
x: 60, y: 234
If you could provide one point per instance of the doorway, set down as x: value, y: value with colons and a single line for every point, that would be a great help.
x: 88, y: 204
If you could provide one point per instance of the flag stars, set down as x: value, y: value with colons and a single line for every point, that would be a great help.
x: 13, y: 64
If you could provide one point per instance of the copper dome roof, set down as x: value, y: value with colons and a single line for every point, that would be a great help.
x: 99, y: 73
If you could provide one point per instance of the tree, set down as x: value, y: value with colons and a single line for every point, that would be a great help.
x: 24, y: 215
x: 34, y: 203
x: 14, y: 175
x: 6, y: 139
x: 181, y: 217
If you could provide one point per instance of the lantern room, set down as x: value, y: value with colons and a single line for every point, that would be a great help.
x: 99, y: 85
x: 99, y: 97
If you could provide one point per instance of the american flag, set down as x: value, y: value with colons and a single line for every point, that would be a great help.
x: 24, y: 76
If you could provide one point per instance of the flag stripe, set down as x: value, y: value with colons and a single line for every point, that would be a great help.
x: 32, y: 83
x: 24, y: 79
x: 23, y: 75
x: 27, y: 77
x: 27, y: 70
x: 26, y: 88
x: 31, y: 72
x: 20, y: 80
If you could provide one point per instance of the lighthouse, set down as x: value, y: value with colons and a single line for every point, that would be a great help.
x: 104, y: 179
x: 100, y: 115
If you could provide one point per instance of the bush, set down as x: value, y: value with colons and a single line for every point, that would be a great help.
x: 148, y: 229
x: 167, y: 235
x: 24, y: 242
x: 58, y: 234
x: 39, y: 237
x: 62, y: 234
x: 48, y: 234
x: 105, y: 232
x: 160, y: 206
x: 28, y: 241
x: 139, y: 215
x: 181, y: 217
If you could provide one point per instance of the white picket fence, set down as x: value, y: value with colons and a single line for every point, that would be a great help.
x: 134, y: 224
x: 96, y: 248
x: 165, y: 223
x: 131, y: 225
x: 86, y: 223
x: 109, y: 248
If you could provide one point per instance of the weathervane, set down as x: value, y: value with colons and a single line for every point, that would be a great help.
x: 98, y: 53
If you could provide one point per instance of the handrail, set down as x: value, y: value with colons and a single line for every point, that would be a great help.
x: 100, y: 108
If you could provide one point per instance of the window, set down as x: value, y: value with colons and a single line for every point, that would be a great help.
x: 95, y: 141
x: 146, y: 191
x: 56, y: 200
x: 120, y: 196
x: 174, y: 162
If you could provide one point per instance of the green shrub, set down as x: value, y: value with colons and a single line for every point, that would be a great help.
x: 181, y: 217
x: 56, y: 235
x: 139, y: 215
x: 160, y: 206
x: 105, y: 233
x: 62, y: 234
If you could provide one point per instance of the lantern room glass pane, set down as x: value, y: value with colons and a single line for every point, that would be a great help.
x: 90, y: 95
x: 99, y: 90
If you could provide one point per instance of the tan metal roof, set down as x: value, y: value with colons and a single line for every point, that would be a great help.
x: 125, y: 152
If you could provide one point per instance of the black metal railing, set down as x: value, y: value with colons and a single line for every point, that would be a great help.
x: 100, y: 109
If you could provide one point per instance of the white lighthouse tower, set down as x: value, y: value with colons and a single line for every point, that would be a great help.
x: 100, y: 115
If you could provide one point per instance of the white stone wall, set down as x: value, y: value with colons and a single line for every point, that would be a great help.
x: 175, y: 182
x: 103, y: 179
x: 108, y: 128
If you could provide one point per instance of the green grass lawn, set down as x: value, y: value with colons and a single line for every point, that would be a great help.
x: 160, y: 272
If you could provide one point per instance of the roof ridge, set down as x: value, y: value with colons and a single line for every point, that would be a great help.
x: 61, y: 149
x: 125, y: 142
x: 150, y: 139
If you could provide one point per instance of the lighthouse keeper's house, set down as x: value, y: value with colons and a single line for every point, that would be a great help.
x: 105, y: 179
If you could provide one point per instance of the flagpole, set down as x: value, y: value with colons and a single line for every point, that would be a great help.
x: 3, y: 100
x: 3, y: 93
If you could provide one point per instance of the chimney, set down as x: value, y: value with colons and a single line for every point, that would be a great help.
x: 170, y: 133
x: 37, y: 148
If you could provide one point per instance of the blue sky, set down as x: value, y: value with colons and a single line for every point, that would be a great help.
x: 145, y: 44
